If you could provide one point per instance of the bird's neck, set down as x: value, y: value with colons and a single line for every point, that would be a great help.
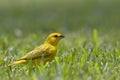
x: 51, y: 43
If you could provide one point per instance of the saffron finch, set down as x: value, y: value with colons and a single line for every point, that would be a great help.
x: 46, y: 51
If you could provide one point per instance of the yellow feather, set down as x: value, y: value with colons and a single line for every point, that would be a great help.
x: 45, y: 52
x: 17, y: 62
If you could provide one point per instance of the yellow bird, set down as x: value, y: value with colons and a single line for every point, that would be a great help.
x: 45, y: 52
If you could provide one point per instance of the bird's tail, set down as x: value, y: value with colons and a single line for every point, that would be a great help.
x: 17, y: 62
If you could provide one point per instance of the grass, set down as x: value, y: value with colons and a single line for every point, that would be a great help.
x: 89, y: 51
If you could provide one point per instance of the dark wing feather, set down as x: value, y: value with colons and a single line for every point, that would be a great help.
x: 38, y: 52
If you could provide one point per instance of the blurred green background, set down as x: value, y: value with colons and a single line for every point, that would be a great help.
x: 21, y: 17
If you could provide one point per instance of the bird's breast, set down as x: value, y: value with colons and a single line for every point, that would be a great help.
x: 51, y: 51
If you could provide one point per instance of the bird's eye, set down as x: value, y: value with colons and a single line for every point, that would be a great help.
x: 55, y: 36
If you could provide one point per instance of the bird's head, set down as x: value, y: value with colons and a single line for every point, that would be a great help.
x: 54, y: 38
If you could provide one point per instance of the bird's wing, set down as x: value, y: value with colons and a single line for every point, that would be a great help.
x: 38, y: 52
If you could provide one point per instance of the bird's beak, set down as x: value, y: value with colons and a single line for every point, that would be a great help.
x: 61, y: 36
